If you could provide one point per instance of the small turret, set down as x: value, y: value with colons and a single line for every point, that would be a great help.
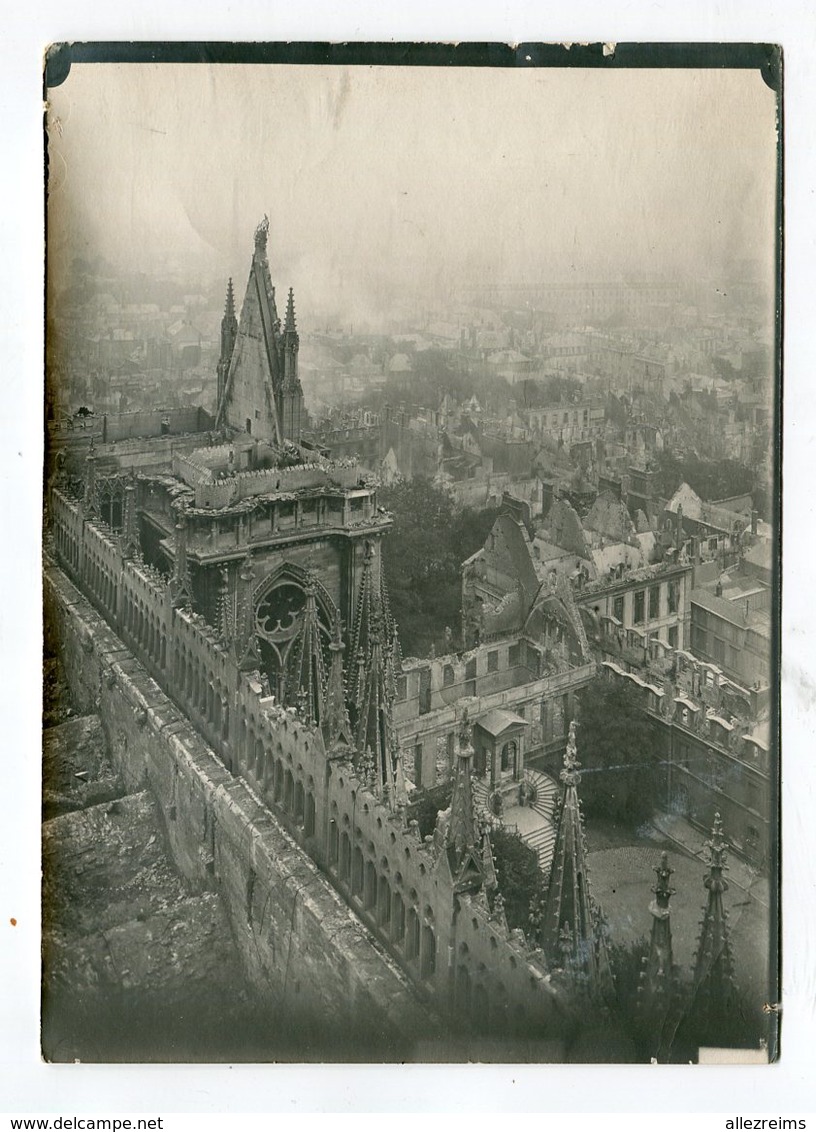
x: 290, y: 325
x: 307, y: 676
x: 658, y: 993
x: 246, y: 645
x: 570, y: 913
x: 372, y: 598
x: 335, y: 721
x: 129, y: 540
x: 180, y: 590
x: 462, y: 841
x: 374, y: 730
x: 229, y: 333
x: 89, y: 493
x: 713, y: 989
x: 226, y: 610
x: 291, y: 394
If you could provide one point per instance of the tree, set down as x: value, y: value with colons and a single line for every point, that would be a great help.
x: 711, y: 479
x: 423, y: 555
x: 618, y: 746
x: 521, y: 882
x: 723, y: 367
x: 616, y: 411
x: 426, y: 804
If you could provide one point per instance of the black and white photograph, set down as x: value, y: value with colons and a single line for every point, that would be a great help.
x: 411, y: 533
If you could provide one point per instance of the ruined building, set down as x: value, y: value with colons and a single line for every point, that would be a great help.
x: 582, y: 597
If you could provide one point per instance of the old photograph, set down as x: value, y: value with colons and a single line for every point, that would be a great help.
x: 411, y: 554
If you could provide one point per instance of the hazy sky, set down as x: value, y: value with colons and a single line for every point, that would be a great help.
x: 383, y: 179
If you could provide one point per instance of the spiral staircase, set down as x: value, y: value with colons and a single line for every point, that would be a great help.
x: 544, y: 794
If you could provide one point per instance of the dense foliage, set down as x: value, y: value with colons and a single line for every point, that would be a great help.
x: 619, y: 748
x: 423, y: 555
x: 552, y: 390
x: 426, y: 804
x: 521, y: 882
x: 711, y: 479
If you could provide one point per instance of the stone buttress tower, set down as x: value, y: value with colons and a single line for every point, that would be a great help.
x: 375, y: 733
x: 463, y: 841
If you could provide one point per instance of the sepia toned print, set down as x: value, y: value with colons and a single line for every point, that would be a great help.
x: 410, y: 568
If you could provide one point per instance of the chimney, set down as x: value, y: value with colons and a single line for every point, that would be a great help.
x: 547, y: 494
x: 754, y: 521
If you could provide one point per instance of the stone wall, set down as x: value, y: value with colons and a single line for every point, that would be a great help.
x: 297, y: 938
x: 150, y: 422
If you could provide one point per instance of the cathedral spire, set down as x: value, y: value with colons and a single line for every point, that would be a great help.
x: 291, y: 392
x: 658, y: 990
x: 335, y: 721
x: 246, y: 646
x: 462, y: 841
x: 129, y: 539
x: 375, y: 731
x: 372, y: 600
x: 570, y: 914
x: 229, y: 333
x: 713, y: 989
x: 307, y: 676
x: 180, y: 590
x: 362, y: 623
x: 226, y: 613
